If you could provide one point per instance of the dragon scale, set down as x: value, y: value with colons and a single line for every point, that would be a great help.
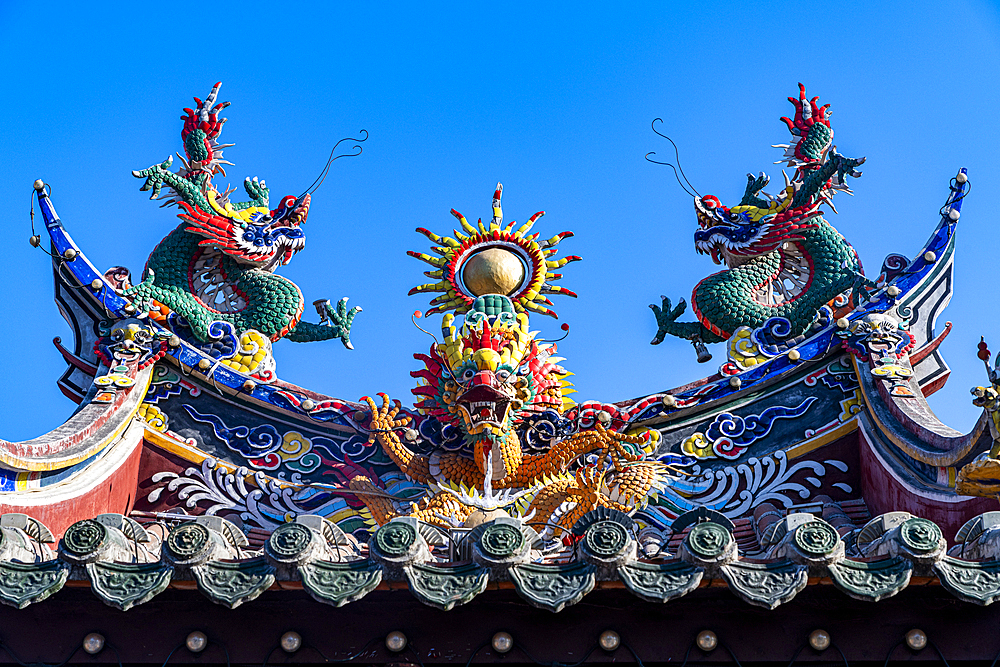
x: 721, y: 302
x: 273, y: 304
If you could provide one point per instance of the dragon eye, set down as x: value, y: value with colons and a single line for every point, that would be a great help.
x: 468, y: 374
x: 503, y: 374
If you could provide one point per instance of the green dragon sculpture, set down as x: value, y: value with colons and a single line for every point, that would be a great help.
x: 218, y: 265
x: 784, y: 260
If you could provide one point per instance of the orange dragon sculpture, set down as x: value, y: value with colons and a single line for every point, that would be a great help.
x: 491, y: 378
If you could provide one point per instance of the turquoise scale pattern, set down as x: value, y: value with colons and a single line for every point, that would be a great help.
x: 722, y: 299
x: 274, y: 303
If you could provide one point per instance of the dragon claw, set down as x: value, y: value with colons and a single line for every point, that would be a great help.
x: 338, y: 318
x: 258, y: 192
x: 156, y: 176
x: 666, y: 316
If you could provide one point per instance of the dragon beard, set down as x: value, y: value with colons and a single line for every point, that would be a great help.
x: 491, y: 456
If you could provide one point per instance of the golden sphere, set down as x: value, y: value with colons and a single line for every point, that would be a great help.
x: 493, y: 271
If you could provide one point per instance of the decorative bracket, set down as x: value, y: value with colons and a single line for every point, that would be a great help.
x: 232, y: 584
x: 766, y: 585
x: 871, y: 581
x: 339, y: 583
x: 22, y: 584
x: 125, y: 585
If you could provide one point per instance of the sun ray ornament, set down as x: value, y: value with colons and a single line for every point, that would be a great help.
x: 494, y: 259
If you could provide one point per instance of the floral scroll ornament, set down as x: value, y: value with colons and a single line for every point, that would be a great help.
x: 728, y: 436
x: 749, y: 347
x: 267, y: 449
x: 154, y: 417
x: 734, y: 490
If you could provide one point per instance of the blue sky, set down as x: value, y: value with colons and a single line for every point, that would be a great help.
x: 554, y: 100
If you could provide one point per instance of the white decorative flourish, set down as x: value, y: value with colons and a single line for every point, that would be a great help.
x: 264, y: 502
x: 735, y: 490
x: 485, y: 500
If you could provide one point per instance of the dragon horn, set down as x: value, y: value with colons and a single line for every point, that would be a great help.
x: 205, y: 108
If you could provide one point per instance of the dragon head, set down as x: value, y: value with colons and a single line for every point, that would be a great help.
x: 486, y: 377
x: 490, y: 375
x: 252, y: 234
x: 755, y: 227
x: 728, y: 233
x: 760, y: 224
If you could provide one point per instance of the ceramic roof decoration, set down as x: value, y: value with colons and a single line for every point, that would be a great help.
x: 213, y: 277
x: 785, y: 262
x: 809, y: 466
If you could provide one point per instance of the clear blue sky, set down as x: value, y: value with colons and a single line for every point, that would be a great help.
x: 554, y: 101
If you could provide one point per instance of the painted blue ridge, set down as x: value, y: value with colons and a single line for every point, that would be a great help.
x: 941, y: 238
x: 814, y: 348
x: 80, y: 268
